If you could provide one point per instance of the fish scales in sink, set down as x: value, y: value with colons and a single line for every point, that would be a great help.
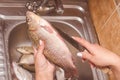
x: 56, y: 50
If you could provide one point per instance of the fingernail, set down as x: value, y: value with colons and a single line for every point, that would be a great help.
x: 73, y: 37
x: 40, y: 42
x: 79, y: 54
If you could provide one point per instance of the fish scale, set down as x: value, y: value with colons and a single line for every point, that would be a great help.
x: 52, y: 56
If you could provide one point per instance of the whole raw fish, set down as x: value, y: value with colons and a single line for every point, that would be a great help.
x: 56, y: 50
x: 27, y: 59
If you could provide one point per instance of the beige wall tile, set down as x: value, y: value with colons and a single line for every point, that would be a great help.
x: 106, y: 19
x: 100, y: 11
x: 107, y: 23
x: 110, y: 35
x: 117, y: 1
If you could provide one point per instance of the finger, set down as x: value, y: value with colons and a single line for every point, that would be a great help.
x: 40, y: 58
x: 41, y: 47
x: 40, y: 50
x: 92, y: 65
x: 35, y: 51
x: 79, y: 54
x: 87, y: 56
x: 84, y: 43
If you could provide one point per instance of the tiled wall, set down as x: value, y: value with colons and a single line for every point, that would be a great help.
x: 117, y: 3
x: 107, y: 23
x: 106, y: 18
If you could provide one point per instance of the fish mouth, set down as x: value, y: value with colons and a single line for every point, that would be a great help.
x: 28, y: 16
x: 28, y: 13
x: 29, y: 20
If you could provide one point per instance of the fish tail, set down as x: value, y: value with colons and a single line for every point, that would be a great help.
x: 69, y: 73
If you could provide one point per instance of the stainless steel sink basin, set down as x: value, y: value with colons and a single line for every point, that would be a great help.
x: 75, y: 21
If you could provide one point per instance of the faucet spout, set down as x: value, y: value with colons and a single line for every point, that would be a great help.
x: 45, y: 6
x: 59, y: 6
x: 43, y: 2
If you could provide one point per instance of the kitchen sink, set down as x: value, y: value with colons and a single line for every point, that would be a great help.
x: 75, y: 21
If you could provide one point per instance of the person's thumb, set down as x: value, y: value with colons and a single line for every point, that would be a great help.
x: 41, y: 47
x: 39, y: 50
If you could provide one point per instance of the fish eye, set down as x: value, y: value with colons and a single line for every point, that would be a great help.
x: 28, y: 19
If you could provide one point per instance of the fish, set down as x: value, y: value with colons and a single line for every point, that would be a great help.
x: 60, y: 74
x: 25, y: 50
x: 56, y: 51
x: 28, y: 50
x: 21, y: 73
x: 29, y: 67
x: 27, y: 59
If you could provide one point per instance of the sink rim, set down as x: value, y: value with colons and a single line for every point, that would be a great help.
x: 23, y: 18
x: 15, y: 26
x: 89, y: 34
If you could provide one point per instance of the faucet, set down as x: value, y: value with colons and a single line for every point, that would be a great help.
x: 46, y: 5
x: 59, y: 6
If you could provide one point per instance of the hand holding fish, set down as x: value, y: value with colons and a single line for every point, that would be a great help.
x: 56, y: 51
x: 43, y: 68
x: 100, y: 57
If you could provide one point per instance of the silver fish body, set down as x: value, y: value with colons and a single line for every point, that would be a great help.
x: 56, y: 50
x: 27, y: 59
x: 25, y: 50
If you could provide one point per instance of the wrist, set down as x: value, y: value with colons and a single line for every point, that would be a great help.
x: 115, y: 66
x: 44, y: 76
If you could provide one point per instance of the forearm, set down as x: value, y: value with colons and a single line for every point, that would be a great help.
x: 116, y: 68
x: 117, y: 74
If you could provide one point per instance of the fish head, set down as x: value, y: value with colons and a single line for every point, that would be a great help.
x: 36, y: 22
x: 32, y: 20
x: 38, y: 27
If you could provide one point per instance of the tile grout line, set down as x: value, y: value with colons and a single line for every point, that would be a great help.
x: 117, y: 5
x: 109, y: 18
x: 118, y: 10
